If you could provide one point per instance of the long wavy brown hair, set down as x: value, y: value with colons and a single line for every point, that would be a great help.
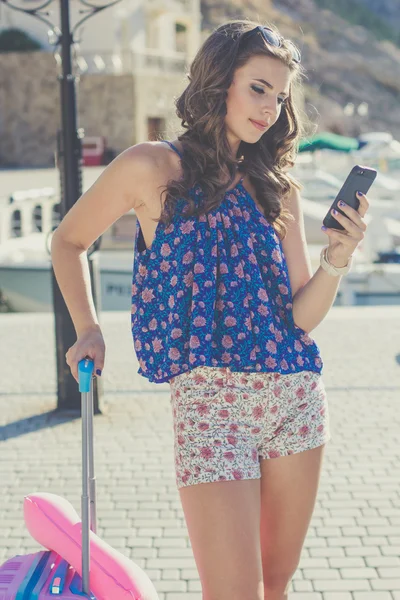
x: 206, y: 154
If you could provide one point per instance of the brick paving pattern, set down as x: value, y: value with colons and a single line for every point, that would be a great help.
x: 352, y: 549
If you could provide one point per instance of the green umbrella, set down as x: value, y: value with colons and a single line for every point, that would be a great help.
x: 332, y: 141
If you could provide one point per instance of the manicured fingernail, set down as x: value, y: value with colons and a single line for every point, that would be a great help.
x: 360, y: 193
x: 341, y: 203
x: 323, y: 227
x: 98, y: 372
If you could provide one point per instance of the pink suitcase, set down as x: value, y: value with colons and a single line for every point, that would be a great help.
x: 45, y: 574
x: 54, y: 523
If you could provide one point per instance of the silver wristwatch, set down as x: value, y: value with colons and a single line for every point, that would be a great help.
x: 331, y: 269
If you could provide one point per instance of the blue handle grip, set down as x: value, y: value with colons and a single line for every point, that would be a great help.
x: 85, y: 372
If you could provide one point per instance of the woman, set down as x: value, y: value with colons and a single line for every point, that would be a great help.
x: 223, y: 301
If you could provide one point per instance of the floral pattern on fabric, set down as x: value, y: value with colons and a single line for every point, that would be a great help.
x: 225, y: 423
x: 215, y: 291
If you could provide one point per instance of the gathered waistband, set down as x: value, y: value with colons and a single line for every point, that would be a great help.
x: 205, y: 373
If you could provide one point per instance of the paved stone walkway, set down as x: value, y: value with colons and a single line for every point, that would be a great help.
x: 352, y: 549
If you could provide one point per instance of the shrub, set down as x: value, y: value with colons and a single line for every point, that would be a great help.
x: 16, y: 40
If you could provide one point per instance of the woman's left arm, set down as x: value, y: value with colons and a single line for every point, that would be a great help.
x: 313, y: 299
x: 312, y: 302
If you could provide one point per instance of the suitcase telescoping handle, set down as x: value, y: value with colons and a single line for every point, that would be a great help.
x: 85, y: 375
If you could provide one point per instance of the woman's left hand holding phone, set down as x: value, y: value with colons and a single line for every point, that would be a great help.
x: 343, y: 243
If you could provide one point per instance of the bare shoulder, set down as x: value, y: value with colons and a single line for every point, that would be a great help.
x: 140, y: 155
x: 136, y: 166
x: 154, y: 165
x: 130, y: 181
x: 167, y: 161
x: 162, y: 165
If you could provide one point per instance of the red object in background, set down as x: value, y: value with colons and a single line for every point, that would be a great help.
x: 93, y: 149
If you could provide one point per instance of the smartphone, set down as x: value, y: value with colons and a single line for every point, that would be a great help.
x: 359, y: 179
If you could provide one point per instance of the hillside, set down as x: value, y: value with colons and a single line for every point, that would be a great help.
x: 345, y: 62
x: 387, y: 11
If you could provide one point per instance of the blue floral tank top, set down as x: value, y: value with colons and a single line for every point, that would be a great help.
x: 214, y: 290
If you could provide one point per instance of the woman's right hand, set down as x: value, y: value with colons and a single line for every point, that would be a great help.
x: 90, y: 343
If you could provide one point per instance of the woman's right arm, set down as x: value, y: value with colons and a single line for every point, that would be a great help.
x: 113, y: 194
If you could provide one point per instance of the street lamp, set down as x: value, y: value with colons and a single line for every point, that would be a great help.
x: 69, y: 162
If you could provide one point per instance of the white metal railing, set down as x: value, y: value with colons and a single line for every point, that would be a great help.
x: 27, y: 212
x: 38, y: 210
x: 187, y: 5
x: 134, y: 61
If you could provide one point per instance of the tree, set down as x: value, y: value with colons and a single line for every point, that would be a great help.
x: 16, y: 40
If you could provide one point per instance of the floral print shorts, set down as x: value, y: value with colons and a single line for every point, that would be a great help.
x: 225, y: 422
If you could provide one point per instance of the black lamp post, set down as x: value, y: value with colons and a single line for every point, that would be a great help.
x: 69, y: 162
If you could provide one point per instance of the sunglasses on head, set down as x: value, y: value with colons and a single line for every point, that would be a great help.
x: 272, y: 38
